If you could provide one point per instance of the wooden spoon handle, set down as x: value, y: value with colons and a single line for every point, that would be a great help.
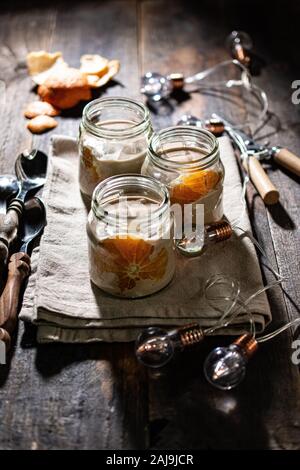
x: 289, y: 160
x: 9, y: 224
x: 18, y: 270
x: 268, y: 192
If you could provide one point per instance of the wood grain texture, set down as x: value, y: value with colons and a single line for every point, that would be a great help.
x: 96, y: 396
x: 18, y: 271
x: 184, y: 410
x: 68, y: 397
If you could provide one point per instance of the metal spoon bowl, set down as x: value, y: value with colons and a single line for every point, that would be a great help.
x: 31, y: 170
x: 34, y: 221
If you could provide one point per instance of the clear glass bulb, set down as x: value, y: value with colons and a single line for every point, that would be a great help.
x: 239, y: 37
x: 195, y: 244
x: 154, y: 347
x: 225, y: 367
x: 189, y: 120
x: 156, y: 86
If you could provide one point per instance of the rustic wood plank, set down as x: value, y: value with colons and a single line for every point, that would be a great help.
x: 60, y: 396
x: 185, y: 411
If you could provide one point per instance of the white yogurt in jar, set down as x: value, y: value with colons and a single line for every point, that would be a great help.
x: 131, y: 250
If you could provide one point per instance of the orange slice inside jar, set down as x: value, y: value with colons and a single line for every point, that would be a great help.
x: 132, y: 260
x: 191, y: 187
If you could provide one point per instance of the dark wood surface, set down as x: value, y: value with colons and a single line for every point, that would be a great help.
x: 97, y: 396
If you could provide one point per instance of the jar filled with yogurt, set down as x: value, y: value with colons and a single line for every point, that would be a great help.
x: 113, y: 139
x: 130, y: 236
x: 187, y: 160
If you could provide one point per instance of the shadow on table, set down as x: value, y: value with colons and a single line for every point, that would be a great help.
x: 194, y: 415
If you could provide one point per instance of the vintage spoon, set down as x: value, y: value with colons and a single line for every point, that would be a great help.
x: 31, y: 171
x: 9, y: 187
x: 34, y: 222
x: 19, y: 267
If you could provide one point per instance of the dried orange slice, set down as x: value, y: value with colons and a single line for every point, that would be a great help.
x: 189, y: 188
x: 132, y: 259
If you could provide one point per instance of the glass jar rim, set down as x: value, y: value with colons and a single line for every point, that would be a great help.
x: 130, y: 179
x: 202, y: 162
x: 115, y: 102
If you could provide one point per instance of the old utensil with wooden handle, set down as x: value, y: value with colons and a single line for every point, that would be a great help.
x: 31, y: 170
x: 282, y: 156
x: 259, y: 177
x: 248, y: 149
x: 19, y: 267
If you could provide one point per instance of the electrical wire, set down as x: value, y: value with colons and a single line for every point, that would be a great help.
x: 234, y: 296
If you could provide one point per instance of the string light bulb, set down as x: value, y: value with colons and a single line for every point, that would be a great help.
x: 157, y: 87
x: 156, y: 346
x: 225, y: 367
x: 239, y: 44
x: 214, y: 125
x: 194, y: 245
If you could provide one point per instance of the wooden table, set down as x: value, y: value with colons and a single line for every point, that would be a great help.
x: 97, y: 396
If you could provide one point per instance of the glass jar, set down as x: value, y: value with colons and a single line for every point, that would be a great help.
x: 187, y: 160
x: 130, y: 233
x: 114, y: 135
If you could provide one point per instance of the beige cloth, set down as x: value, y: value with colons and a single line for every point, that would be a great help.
x: 64, y: 304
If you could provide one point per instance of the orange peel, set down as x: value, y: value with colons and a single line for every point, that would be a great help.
x: 65, y: 90
x: 64, y: 86
x: 41, y: 64
x: 113, y: 68
x: 93, y: 64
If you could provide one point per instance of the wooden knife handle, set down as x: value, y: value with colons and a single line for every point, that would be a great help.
x: 288, y: 160
x: 18, y: 270
x: 261, y: 181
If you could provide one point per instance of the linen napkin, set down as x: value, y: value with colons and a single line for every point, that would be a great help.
x: 67, y: 307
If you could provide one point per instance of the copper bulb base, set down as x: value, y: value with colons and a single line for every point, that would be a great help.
x: 248, y: 343
x: 221, y: 231
x: 177, y: 80
x: 190, y: 334
x: 241, y: 54
x: 215, y: 126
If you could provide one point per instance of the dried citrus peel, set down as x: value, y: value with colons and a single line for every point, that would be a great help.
x: 113, y: 68
x: 97, y: 69
x: 93, y: 64
x: 41, y: 64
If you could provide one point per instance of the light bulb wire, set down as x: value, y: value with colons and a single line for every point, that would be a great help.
x: 245, y: 82
x: 233, y: 312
